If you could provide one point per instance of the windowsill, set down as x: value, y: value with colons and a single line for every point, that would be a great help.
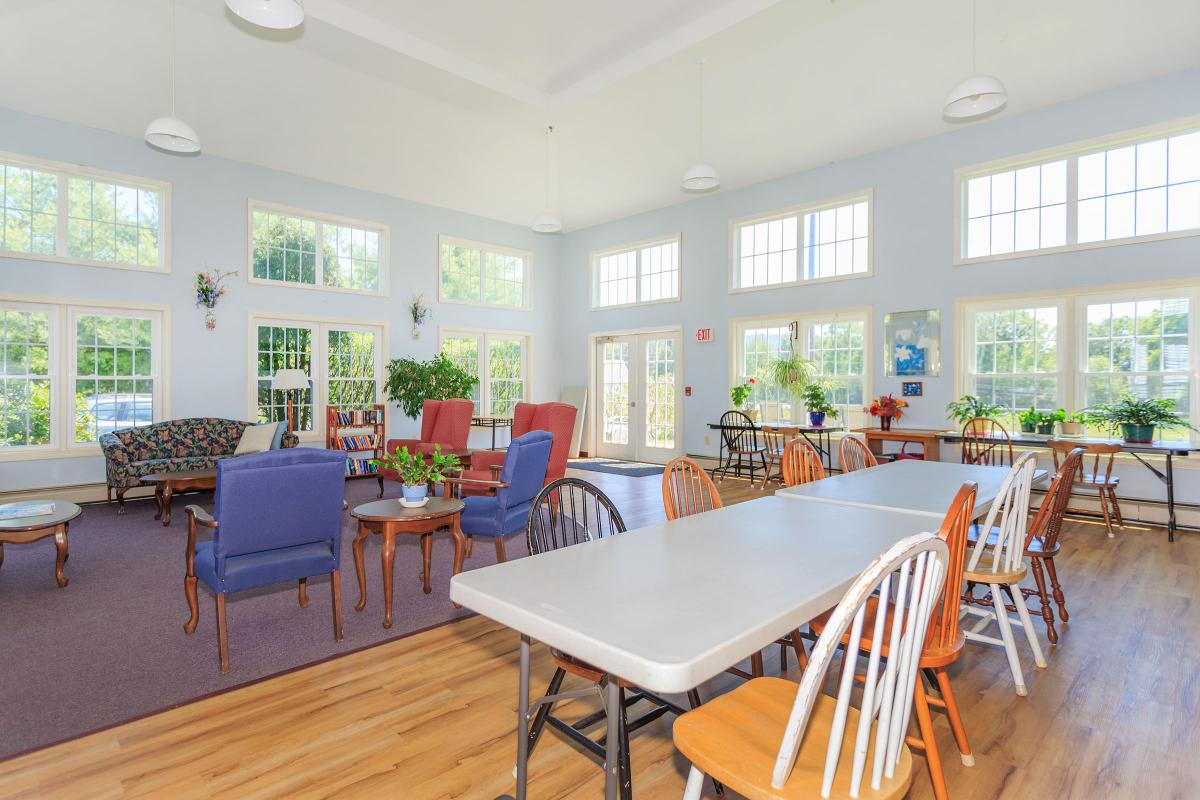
x: 164, y: 269
x: 83, y: 451
x: 313, y: 287
x: 811, y: 281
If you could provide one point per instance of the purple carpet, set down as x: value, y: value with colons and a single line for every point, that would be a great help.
x: 110, y: 646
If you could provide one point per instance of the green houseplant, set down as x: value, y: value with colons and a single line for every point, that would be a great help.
x: 791, y: 373
x: 968, y: 407
x: 740, y: 393
x: 1046, y: 420
x: 1137, y: 419
x: 416, y: 473
x: 1029, y: 420
x: 1074, y: 423
x: 816, y: 400
x: 410, y: 382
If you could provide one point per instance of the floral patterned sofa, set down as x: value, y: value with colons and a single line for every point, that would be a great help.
x: 172, y: 446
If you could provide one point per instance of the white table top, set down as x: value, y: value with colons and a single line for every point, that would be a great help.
x: 669, y: 606
x: 912, y: 485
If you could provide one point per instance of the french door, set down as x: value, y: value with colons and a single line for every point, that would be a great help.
x: 637, y: 397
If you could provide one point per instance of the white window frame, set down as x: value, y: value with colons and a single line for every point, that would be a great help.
x: 865, y: 316
x: 636, y: 248
x: 484, y: 336
x: 1071, y: 153
x: 321, y: 218
x: 320, y: 326
x: 63, y: 172
x: 62, y: 315
x: 484, y: 248
x: 798, y: 211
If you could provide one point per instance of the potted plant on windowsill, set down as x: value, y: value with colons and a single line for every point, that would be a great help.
x: 1046, y: 420
x: 1137, y: 419
x: 739, y: 394
x: 1029, y: 420
x: 1074, y: 423
x: 416, y: 473
x: 816, y: 400
x: 968, y: 407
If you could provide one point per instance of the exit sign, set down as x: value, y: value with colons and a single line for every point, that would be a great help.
x: 704, y: 334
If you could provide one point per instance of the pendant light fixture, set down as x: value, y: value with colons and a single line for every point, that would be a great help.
x: 547, y: 221
x: 701, y: 176
x: 977, y: 96
x: 277, y: 14
x: 171, y: 133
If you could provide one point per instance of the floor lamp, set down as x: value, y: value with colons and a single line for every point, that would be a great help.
x: 289, y: 380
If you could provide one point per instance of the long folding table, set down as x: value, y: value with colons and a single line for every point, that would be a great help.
x: 668, y: 606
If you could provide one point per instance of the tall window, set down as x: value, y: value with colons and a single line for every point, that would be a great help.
x: 838, y: 350
x: 350, y: 358
x: 307, y: 249
x: 285, y: 346
x: 483, y: 274
x: 25, y: 377
x: 500, y: 359
x: 757, y: 344
x: 115, y: 372
x: 829, y: 240
x: 61, y: 212
x: 642, y: 273
x: 1133, y: 186
x: 1015, y: 357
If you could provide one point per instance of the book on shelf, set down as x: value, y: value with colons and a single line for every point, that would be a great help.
x: 369, y: 416
x: 360, y: 466
x: 17, y: 510
x: 360, y: 442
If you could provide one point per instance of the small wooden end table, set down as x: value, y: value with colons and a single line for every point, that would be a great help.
x: 928, y: 438
x: 23, y: 530
x: 388, y: 518
x: 167, y: 484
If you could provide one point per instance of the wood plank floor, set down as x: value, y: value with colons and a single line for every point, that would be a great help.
x: 432, y: 716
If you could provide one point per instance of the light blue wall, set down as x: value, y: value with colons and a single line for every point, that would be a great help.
x: 913, y: 213
x: 208, y: 369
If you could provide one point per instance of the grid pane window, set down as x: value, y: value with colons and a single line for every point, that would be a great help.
x: 506, y: 379
x: 808, y: 244
x: 470, y: 272
x: 643, y: 274
x: 350, y: 368
x: 28, y: 210
x: 618, y: 281
x: 615, y: 393
x: 111, y: 222
x: 767, y: 252
x: 464, y: 352
x: 838, y: 350
x: 1016, y: 360
x: 835, y: 242
x: 114, y: 374
x: 660, y: 271
x: 760, y: 346
x: 503, y: 279
x: 284, y: 347
x: 350, y: 256
x: 660, y: 393
x: 1017, y: 210
x: 309, y: 251
x: 285, y: 248
x: 25, y: 381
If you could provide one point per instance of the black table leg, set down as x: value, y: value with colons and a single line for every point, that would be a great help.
x: 1170, y: 500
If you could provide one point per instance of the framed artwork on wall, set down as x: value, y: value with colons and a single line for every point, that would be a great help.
x: 912, y: 388
x: 913, y: 344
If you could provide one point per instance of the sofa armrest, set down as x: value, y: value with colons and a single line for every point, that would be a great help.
x: 116, y: 461
x: 289, y: 439
x: 394, y: 445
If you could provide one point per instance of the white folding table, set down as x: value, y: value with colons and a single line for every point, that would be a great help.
x: 668, y: 606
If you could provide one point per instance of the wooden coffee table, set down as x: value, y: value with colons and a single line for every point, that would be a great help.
x: 166, y: 484
x: 388, y: 518
x: 23, y: 530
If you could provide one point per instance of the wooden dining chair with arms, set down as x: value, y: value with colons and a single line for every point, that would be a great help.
x: 741, y: 442
x: 986, y: 442
x: 1094, y: 473
x: 1041, y: 543
x: 775, y: 438
x: 854, y: 455
x: 829, y: 747
x: 801, y: 463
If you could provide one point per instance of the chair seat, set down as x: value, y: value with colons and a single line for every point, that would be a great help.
x: 735, y: 737
x: 754, y: 452
x: 931, y: 656
x: 479, y: 517
x: 986, y: 576
x: 582, y: 668
x: 1089, y: 480
x: 1035, y: 547
x: 264, y: 568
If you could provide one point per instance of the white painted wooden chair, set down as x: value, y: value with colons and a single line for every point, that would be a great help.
x: 998, y: 561
x: 829, y: 747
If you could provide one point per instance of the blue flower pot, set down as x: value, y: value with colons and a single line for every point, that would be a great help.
x: 415, y: 495
x: 816, y: 419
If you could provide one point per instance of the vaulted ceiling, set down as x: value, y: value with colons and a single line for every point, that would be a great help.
x: 445, y: 102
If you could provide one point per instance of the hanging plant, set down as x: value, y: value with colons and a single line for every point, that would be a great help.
x: 419, y: 312
x: 208, y: 291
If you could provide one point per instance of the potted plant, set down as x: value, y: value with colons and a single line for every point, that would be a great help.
x: 410, y: 382
x: 739, y: 394
x: 416, y: 473
x: 816, y: 400
x: 1029, y: 420
x: 791, y: 373
x: 1137, y: 419
x: 968, y: 407
x: 1046, y: 420
x: 1073, y: 424
x: 887, y: 408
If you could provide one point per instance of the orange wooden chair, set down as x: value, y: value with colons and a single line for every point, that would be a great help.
x: 775, y: 439
x: 1041, y: 543
x: 1101, y: 455
x: 854, y: 455
x: 801, y: 463
x: 986, y: 442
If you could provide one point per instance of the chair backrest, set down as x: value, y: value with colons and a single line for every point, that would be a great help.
x: 738, y: 432
x: 986, y: 442
x: 801, y: 463
x: 278, y: 498
x: 524, y: 469
x: 943, y: 628
x: 854, y: 455
x: 569, y: 511
x: 912, y: 572
x: 1009, y: 514
x: 1100, y: 454
x: 1048, y: 523
x: 775, y: 437
x: 559, y: 419
x: 451, y: 423
x: 687, y: 489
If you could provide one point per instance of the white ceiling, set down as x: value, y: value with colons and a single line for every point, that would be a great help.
x: 444, y: 102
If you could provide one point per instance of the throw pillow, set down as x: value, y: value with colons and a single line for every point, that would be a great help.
x: 277, y: 439
x: 256, y: 438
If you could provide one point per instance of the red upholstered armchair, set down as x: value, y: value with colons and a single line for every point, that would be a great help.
x: 443, y: 422
x: 558, y: 418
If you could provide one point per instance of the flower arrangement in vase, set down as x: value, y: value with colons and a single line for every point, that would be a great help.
x: 419, y: 313
x: 739, y: 394
x: 887, y: 408
x: 416, y: 473
x: 208, y: 291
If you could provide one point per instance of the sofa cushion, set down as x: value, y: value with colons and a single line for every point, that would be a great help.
x: 257, y: 438
x: 155, y: 465
x: 265, y: 568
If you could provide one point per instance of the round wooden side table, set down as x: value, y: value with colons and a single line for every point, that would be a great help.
x: 23, y: 530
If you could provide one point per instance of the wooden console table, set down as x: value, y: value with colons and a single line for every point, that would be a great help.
x: 928, y: 438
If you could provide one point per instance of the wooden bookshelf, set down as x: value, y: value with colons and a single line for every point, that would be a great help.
x: 360, y: 433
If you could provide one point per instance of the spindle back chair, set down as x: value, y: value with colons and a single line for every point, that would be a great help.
x: 986, y: 442
x: 687, y: 489
x: 854, y: 455
x: 801, y: 463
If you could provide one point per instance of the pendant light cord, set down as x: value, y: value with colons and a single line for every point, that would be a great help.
x: 700, y: 110
x: 974, y: 36
x: 549, y: 130
x: 172, y: 58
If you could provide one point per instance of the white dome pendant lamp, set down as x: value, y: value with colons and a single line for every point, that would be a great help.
x: 171, y: 133
x: 977, y: 96
x: 701, y: 176
x: 547, y: 221
x: 277, y: 14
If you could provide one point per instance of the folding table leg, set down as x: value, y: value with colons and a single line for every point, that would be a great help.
x: 522, y: 724
x: 612, y: 744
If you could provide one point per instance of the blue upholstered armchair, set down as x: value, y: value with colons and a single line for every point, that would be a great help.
x: 277, y: 516
x: 521, y: 478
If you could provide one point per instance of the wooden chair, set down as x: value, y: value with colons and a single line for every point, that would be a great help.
x: 1041, y: 543
x: 1101, y: 455
x: 986, y: 442
x: 943, y: 645
x: 854, y: 455
x: 739, y: 440
x: 829, y: 747
x: 774, y: 440
x: 801, y: 463
x: 1006, y: 520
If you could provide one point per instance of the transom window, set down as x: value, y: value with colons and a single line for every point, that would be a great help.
x: 643, y: 273
x: 499, y: 358
x: 482, y: 274
x: 82, y: 216
x: 306, y: 249
x: 1017, y: 210
x: 829, y: 240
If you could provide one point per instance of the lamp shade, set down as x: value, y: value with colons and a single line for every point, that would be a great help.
x: 976, y: 96
x: 288, y: 379
x: 173, y: 135
x: 278, y: 14
x: 700, y: 177
x: 547, y: 222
